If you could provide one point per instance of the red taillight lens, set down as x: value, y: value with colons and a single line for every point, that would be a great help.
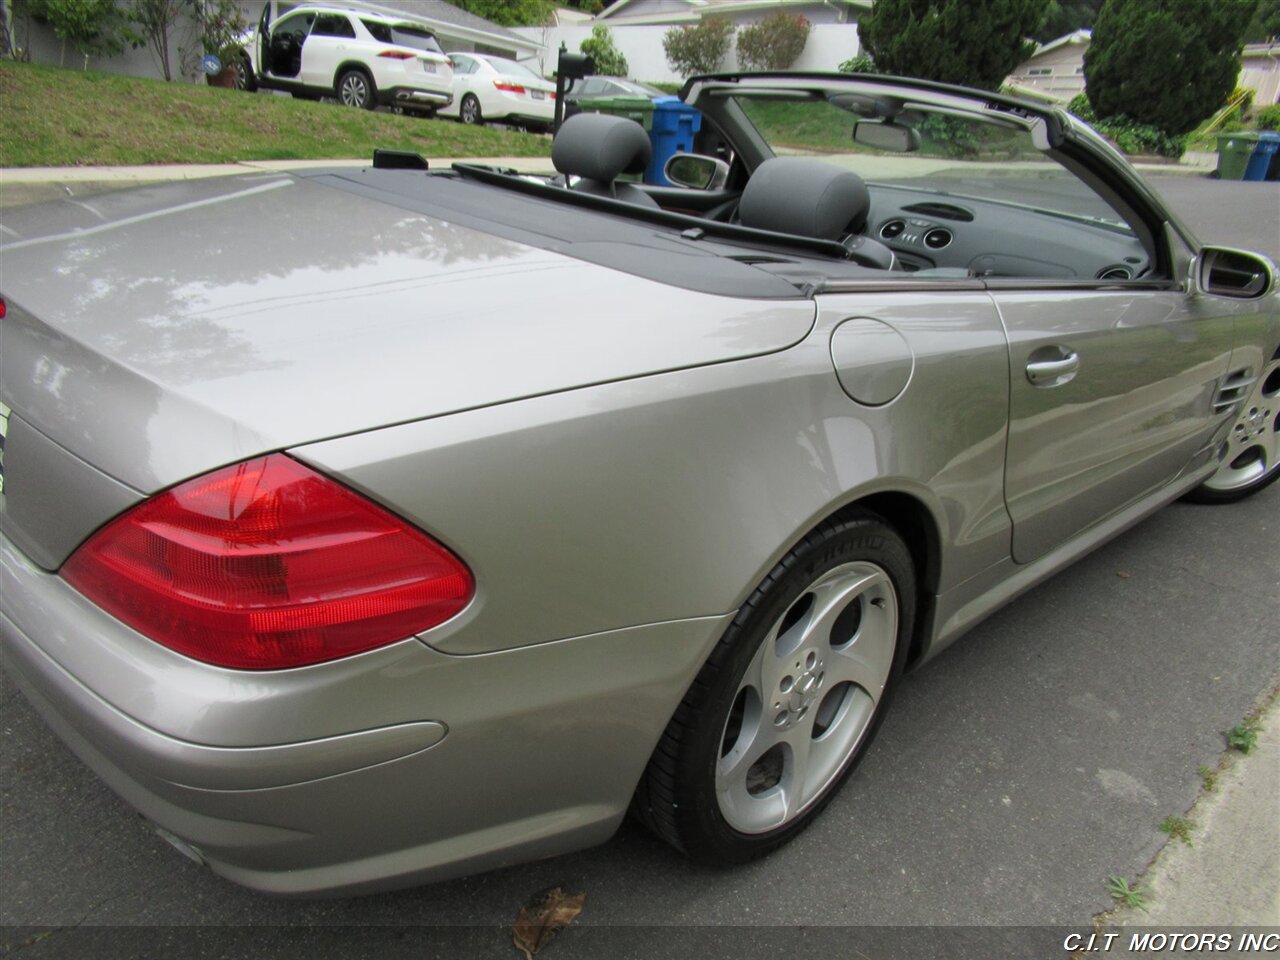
x: 267, y: 564
x: 4, y: 309
x: 509, y: 87
x: 397, y: 55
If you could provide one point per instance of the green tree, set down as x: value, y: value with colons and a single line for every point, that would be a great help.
x: 92, y: 27
x: 1169, y: 63
x: 700, y: 49
x: 952, y: 41
x: 608, y: 58
x: 151, y: 22
x: 773, y: 43
x: 1265, y: 24
x: 1066, y: 16
x: 510, y: 13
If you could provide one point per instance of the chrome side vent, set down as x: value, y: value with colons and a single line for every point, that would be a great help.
x: 892, y: 229
x: 937, y: 238
x: 1234, y: 388
x: 1116, y: 272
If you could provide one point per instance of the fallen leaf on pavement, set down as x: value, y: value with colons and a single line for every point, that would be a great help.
x: 1122, y: 575
x: 542, y: 918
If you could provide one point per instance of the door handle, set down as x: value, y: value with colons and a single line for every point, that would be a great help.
x: 1054, y: 373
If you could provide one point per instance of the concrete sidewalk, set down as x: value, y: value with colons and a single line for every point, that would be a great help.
x: 1229, y: 874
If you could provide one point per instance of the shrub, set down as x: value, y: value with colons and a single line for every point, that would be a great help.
x: 862, y: 63
x: 700, y: 49
x: 607, y: 58
x: 953, y: 41
x: 1128, y: 134
x: 774, y: 43
x: 1269, y: 117
x: 1169, y: 64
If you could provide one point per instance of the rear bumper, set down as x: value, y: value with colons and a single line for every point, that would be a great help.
x: 396, y: 767
x: 413, y: 96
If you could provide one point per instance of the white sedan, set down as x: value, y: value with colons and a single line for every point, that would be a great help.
x: 495, y: 88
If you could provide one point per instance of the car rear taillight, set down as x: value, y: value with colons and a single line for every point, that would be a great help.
x: 397, y: 55
x: 509, y: 87
x: 267, y: 564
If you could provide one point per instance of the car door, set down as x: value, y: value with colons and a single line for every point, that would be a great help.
x: 326, y: 46
x: 286, y: 41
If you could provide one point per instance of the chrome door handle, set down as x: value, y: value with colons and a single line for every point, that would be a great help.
x: 1053, y: 373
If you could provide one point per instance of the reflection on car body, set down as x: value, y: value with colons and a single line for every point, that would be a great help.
x: 501, y: 505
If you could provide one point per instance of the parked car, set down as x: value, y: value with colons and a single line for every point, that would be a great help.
x: 488, y: 507
x: 360, y: 57
x: 495, y: 88
x: 591, y: 88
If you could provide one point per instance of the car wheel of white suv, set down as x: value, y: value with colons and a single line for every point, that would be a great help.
x: 355, y: 89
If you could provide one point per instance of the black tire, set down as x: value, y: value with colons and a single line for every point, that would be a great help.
x: 245, y: 80
x: 726, y: 717
x: 1250, y: 456
x: 355, y: 88
x: 469, y: 111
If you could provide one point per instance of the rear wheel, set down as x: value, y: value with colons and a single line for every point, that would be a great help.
x: 789, y: 699
x: 355, y: 89
x: 469, y: 110
x: 1251, y: 454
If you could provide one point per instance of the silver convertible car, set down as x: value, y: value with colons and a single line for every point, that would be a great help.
x: 366, y: 527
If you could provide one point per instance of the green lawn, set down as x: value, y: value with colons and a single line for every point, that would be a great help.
x: 56, y: 117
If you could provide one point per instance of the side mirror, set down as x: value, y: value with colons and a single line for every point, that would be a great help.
x: 886, y: 135
x: 1225, y: 272
x: 696, y: 171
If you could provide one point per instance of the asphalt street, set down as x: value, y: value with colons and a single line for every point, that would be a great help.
x: 1017, y: 771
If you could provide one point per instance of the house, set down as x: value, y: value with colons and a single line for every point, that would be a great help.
x: 1056, y: 69
x: 741, y: 12
x: 1260, y: 72
x: 637, y: 28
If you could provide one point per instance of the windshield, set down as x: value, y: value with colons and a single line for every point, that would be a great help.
x: 961, y: 156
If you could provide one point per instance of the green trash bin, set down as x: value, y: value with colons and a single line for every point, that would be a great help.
x: 639, y: 109
x: 1234, y: 151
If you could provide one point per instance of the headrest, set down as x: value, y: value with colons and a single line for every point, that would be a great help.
x: 804, y: 196
x: 599, y: 147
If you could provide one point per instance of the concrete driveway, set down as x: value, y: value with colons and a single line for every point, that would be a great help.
x: 1017, y: 771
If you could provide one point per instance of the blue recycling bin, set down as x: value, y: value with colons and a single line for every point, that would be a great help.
x: 1263, y: 153
x: 674, y: 126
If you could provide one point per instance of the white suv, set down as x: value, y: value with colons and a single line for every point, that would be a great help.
x: 360, y: 57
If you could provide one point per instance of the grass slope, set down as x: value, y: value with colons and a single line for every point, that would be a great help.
x: 55, y: 117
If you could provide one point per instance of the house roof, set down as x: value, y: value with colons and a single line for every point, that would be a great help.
x: 1076, y: 37
x: 1269, y: 49
x: 697, y: 9
x: 451, y: 20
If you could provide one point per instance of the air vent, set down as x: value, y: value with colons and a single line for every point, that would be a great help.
x: 1114, y: 273
x: 892, y: 229
x: 937, y: 238
x: 943, y: 211
x: 1234, y: 388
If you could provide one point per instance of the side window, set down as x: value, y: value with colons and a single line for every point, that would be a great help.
x: 463, y: 64
x: 296, y: 25
x: 333, y: 25
x: 379, y: 31
x: 588, y: 88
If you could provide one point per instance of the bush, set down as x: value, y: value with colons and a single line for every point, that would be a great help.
x: 700, y: 49
x: 1169, y: 65
x: 1269, y: 117
x: 862, y: 63
x: 599, y: 47
x: 774, y: 43
x: 1128, y: 134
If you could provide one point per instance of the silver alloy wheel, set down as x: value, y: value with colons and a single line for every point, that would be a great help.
x: 353, y: 91
x: 1253, y: 446
x: 469, y: 111
x: 807, y: 698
